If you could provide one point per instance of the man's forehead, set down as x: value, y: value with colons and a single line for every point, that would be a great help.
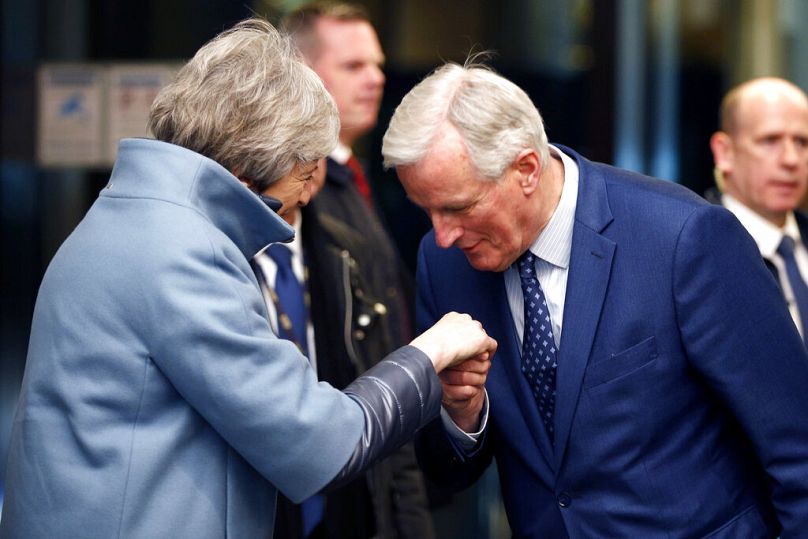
x: 332, y: 30
x: 772, y: 120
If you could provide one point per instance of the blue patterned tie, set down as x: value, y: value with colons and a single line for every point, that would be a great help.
x: 798, y: 286
x: 539, y: 352
x: 292, y: 319
x: 291, y: 296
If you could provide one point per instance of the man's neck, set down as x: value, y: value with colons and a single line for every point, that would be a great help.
x: 551, y: 185
x: 347, y: 139
x: 777, y: 219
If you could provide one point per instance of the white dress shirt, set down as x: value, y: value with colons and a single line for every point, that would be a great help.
x: 341, y: 153
x: 768, y: 237
x: 552, y: 249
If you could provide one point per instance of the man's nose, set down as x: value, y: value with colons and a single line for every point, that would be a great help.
x: 376, y: 76
x: 793, y: 153
x: 446, y: 231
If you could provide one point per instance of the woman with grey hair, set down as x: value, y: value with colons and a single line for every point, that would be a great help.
x: 156, y: 400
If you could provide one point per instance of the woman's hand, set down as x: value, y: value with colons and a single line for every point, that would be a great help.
x: 454, y: 339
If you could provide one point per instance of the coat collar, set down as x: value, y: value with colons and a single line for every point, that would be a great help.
x: 148, y: 168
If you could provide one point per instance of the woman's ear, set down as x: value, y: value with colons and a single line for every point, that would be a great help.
x: 248, y: 183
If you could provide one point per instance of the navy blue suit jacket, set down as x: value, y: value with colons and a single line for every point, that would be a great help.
x: 682, y: 388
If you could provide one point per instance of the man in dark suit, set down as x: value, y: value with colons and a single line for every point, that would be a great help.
x: 761, y: 168
x: 651, y: 385
x: 339, y: 43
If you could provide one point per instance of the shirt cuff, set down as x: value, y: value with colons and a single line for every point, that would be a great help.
x: 461, y: 439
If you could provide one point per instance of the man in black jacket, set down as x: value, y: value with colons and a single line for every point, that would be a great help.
x: 350, y: 323
x: 360, y: 290
x: 339, y: 43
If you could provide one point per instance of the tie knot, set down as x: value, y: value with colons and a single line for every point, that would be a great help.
x: 786, y: 248
x: 280, y: 254
x: 527, y: 265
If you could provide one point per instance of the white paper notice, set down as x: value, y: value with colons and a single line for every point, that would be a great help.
x: 70, y: 110
x: 132, y: 88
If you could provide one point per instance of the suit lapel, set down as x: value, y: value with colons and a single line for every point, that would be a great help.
x: 587, y: 282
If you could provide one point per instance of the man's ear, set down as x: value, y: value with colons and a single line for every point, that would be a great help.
x: 528, y: 168
x: 723, y: 151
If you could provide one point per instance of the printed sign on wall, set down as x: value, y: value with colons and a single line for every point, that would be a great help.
x: 85, y: 109
x: 70, y: 115
x: 132, y: 88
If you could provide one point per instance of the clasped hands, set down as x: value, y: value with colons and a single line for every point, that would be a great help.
x: 461, y: 352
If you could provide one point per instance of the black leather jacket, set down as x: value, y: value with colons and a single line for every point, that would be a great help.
x: 355, y: 310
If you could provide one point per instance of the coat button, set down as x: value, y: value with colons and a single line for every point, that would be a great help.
x: 564, y: 500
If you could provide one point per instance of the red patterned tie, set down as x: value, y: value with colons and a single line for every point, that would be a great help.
x: 360, y: 180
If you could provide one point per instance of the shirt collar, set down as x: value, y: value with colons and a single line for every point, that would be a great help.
x: 767, y: 235
x: 296, y: 245
x: 341, y: 153
x: 554, y: 244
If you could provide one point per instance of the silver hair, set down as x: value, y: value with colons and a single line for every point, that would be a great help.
x: 495, y: 118
x: 247, y: 101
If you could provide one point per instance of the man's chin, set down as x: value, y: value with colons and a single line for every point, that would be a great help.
x: 483, y: 263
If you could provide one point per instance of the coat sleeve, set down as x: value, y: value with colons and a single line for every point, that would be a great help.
x: 741, y: 340
x: 211, y: 339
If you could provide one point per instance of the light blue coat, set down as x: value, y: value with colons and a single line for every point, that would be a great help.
x: 156, y: 401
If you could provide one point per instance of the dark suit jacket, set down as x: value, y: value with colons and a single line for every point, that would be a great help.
x: 340, y: 199
x: 682, y: 386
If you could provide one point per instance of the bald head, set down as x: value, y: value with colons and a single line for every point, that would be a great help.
x: 761, y: 152
x: 736, y: 104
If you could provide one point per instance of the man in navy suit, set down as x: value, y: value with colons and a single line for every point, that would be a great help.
x: 761, y: 167
x: 676, y: 400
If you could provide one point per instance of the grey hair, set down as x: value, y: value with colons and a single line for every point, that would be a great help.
x: 247, y: 101
x: 495, y: 118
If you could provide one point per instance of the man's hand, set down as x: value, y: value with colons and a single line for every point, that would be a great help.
x: 464, y: 391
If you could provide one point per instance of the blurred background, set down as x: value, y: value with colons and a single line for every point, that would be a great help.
x: 630, y: 82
